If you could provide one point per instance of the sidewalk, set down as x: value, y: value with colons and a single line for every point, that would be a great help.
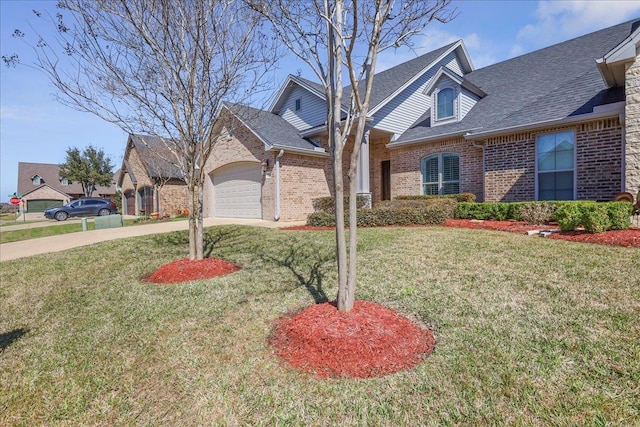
x: 25, y: 248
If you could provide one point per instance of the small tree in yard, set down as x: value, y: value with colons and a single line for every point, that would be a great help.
x: 161, y: 68
x: 339, y: 38
x: 90, y: 168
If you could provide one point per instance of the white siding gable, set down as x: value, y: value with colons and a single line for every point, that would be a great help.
x: 467, y: 101
x: 313, y: 110
x: 410, y: 104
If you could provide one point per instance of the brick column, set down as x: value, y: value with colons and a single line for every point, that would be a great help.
x: 632, y: 127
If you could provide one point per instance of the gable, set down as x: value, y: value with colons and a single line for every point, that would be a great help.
x: 303, y: 109
x: 413, y: 102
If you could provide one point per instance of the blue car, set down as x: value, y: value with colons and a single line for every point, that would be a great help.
x: 82, y: 207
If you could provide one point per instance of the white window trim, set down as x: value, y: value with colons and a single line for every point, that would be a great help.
x: 574, y: 170
x: 440, y: 181
x: 36, y: 180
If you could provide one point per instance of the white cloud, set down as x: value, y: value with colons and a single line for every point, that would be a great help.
x: 560, y: 20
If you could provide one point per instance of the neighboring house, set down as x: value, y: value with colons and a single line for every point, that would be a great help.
x: 41, y: 187
x: 559, y: 123
x: 149, y: 181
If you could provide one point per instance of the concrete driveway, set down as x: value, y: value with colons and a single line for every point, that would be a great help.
x: 25, y: 248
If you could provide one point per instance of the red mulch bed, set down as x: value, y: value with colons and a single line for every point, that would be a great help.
x: 628, y: 238
x: 185, y: 270
x: 367, y: 341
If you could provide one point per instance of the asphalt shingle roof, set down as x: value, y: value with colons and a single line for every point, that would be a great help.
x: 271, y: 128
x: 556, y: 82
x: 49, y: 174
x: 156, y: 156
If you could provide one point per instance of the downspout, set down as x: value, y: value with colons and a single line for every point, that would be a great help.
x: 623, y: 169
x: 277, y: 166
x: 484, y: 189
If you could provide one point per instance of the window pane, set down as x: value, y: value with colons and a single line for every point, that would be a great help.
x: 564, y: 181
x: 451, y: 188
x: 547, y: 162
x: 564, y: 159
x: 445, y: 103
x: 564, y: 141
x: 430, y: 169
x: 431, y: 189
x: 451, y: 166
x: 546, y: 144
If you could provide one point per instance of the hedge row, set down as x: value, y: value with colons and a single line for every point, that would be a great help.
x: 593, y: 216
x: 462, y: 197
x: 378, y: 217
x: 328, y: 205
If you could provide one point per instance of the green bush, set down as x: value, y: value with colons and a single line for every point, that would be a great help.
x: 568, y: 216
x: 327, y: 204
x: 447, y: 204
x: 620, y: 215
x: 486, y: 210
x: 535, y: 212
x: 380, y: 217
x: 595, y: 218
x: 461, y: 197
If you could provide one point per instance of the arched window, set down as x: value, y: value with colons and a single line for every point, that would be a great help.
x: 444, y: 103
x: 441, y: 174
x: 36, y: 180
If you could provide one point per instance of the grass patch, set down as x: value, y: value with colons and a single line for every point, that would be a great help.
x: 529, y: 332
x: 50, y: 230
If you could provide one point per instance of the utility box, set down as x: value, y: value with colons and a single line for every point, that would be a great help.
x: 109, y: 221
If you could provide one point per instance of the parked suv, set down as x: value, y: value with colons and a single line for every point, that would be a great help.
x: 82, y: 207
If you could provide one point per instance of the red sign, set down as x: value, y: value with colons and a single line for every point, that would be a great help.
x: 14, y: 200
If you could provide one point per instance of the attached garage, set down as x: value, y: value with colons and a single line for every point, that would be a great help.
x: 237, y: 191
x: 42, y: 204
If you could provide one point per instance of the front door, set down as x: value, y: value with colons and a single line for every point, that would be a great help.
x: 386, y: 180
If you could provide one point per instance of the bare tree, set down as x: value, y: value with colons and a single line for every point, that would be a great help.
x: 160, y: 68
x: 338, y: 37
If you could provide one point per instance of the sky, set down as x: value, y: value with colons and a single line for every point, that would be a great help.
x: 34, y: 127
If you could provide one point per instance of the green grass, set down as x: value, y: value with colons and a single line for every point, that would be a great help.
x: 530, y: 332
x: 51, y: 230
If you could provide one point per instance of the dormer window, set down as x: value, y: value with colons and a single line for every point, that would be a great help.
x: 36, y: 180
x: 64, y: 181
x: 444, y: 103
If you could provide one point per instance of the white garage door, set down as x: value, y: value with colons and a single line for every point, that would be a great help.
x: 237, y: 191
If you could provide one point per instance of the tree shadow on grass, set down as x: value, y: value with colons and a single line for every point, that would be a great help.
x: 307, y: 264
x: 212, y: 239
x: 8, y: 338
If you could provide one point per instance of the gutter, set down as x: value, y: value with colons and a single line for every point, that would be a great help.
x: 600, y: 114
x: 321, y: 152
x: 277, y: 166
x: 431, y: 138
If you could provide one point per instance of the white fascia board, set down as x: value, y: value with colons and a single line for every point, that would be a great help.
x: 287, y: 149
x: 606, y: 112
x: 429, y: 139
x: 414, y: 78
x: 625, y: 51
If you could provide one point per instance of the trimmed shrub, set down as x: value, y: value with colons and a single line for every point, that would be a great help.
x: 620, y: 215
x: 486, y: 210
x: 462, y: 197
x: 535, y: 212
x: 568, y: 216
x: 595, y: 218
x: 327, y: 204
x: 433, y: 214
x: 321, y: 219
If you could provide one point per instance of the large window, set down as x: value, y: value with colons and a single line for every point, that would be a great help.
x: 441, y: 174
x: 444, y: 104
x: 556, y: 166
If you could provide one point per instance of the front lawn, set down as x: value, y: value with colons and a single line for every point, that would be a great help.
x: 528, y: 332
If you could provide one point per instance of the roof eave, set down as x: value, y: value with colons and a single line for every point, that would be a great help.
x: 317, y: 153
x: 604, y: 112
